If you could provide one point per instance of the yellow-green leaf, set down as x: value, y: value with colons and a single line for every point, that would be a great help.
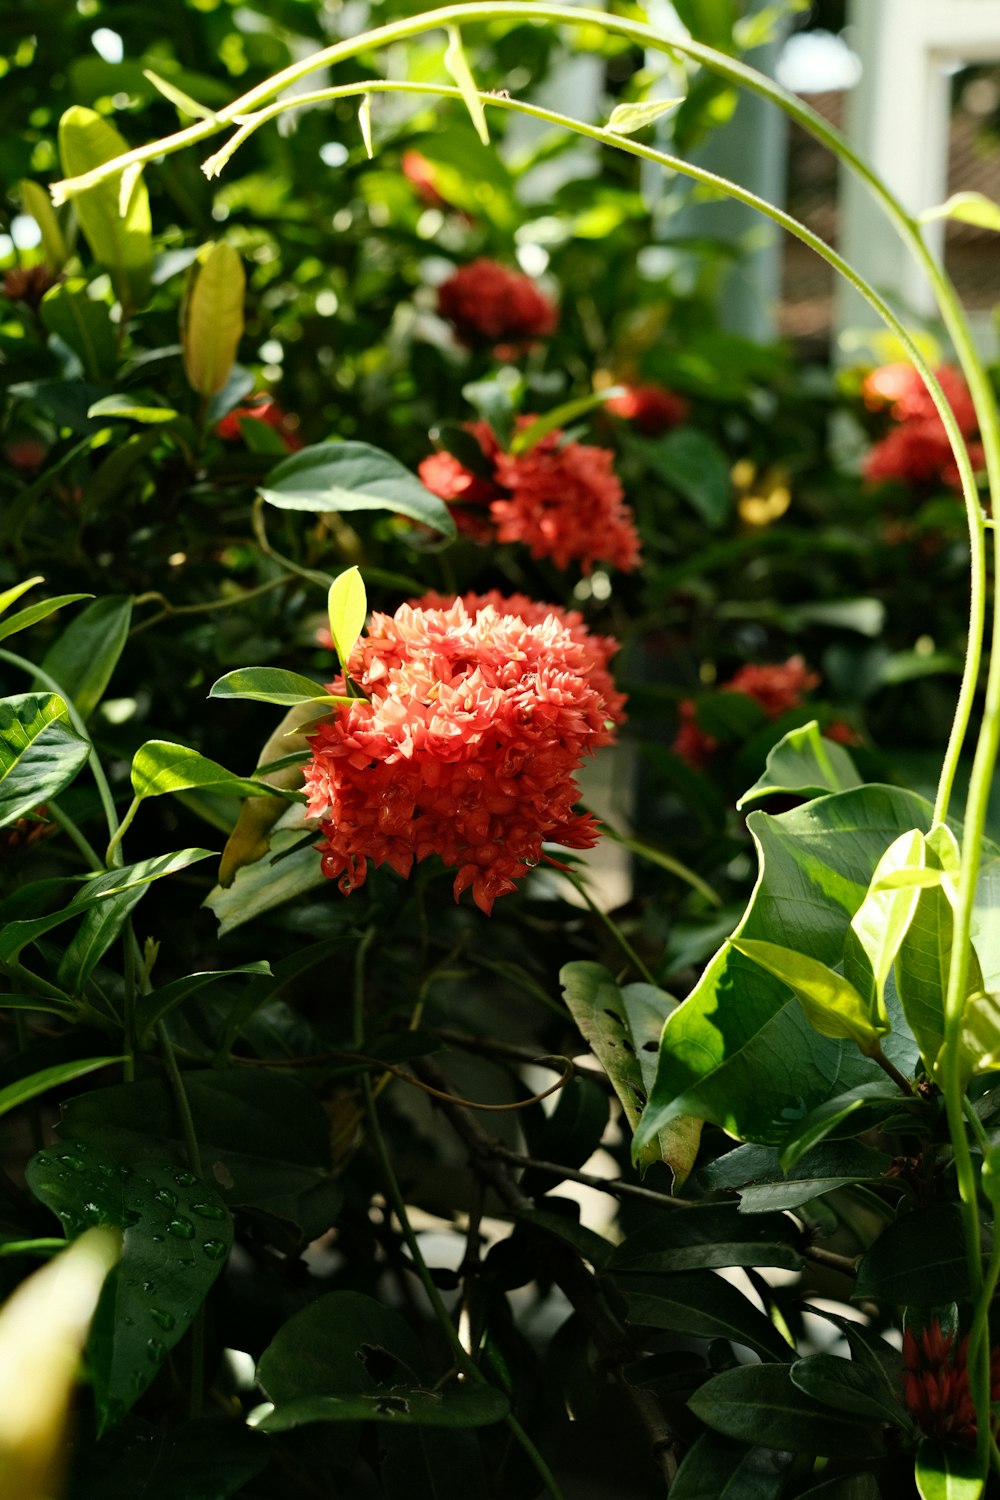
x: 457, y: 64
x: 883, y: 918
x: 10, y: 596
x: 365, y: 121
x: 347, y: 606
x: 36, y: 202
x: 967, y: 208
x: 626, y: 119
x: 212, y: 317
x: 184, y: 102
x: 121, y: 242
x: 832, y: 1005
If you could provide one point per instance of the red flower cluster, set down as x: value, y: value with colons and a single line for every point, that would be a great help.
x: 487, y: 304
x: 936, y: 1384
x: 775, y: 686
x: 563, y: 500
x: 261, y: 409
x: 466, y: 746
x: 651, y: 409
x: 917, y: 450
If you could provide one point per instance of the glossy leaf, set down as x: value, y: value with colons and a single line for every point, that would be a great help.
x: 848, y: 1386
x: 883, y: 918
x: 622, y: 1027
x: 39, y: 753
x: 457, y: 64
x: 121, y: 242
x: 626, y: 119
x: 212, y: 317
x: 85, y: 655
x: 36, y: 202
x: 159, y: 767
x: 97, y: 888
x: 703, y: 1305
x: 347, y: 608
x: 83, y: 324
x: 260, y: 887
x: 919, y: 1258
x: 944, y: 1471
x: 272, y: 685
x: 24, y: 618
x: 176, y: 1236
x: 471, y: 1405
x: 757, y: 1067
x: 861, y: 1107
x: 708, y: 1238
x: 131, y: 411
x: 803, y: 764
x: 716, y: 1468
x: 332, y: 477
x: 832, y: 1004
x: 760, y: 1404
x: 16, y: 1094
x: 322, y: 1350
x: 10, y: 596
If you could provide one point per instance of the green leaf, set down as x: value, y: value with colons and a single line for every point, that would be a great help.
x: 832, y: 1005
x: 324, y: 1349
x: 264, y: 1142
x: 803, y: 764
x: 495, y: 401
x: 760, y: 1404
x: 708, y: 1238
x: 35, y: 612
x: 97, y: 888
x: 591, y: 1246
x: 159, y: 767
x: 153, y: 1007
x: 272, y: 685
x: 697, y: 468
x: 10, y: 596
x: 260, y: 887
x: 354, y: 476
x: 36, y: 202
x: 85, y: 655
x: 860, y: 1486
x: 945, y: 1472
x: 703, y: 1305
x: 847, y: 1386
x: 454, y: 1406
x: 347, y: 609
x: 39, y: 753
x: 980, y: 1035
x: 967, y: 208
x: 919, y: 1258
x: 863, y: 1106
x: 457, y: 64
x: 177, y: 1235
x: 121, y: 242
x: 756, y: 1067
x: 622, y: 1028
x: 716, y: 1468
x: 626, y: 119
x: 200, y: 1460
x: 84, y: 325
x: 883, y: 919
x: 126, y: 408
x: 560, y: 416
x: 212, y: 317
x: 16, y: 1094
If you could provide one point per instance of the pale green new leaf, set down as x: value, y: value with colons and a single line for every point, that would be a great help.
x: 365, y: 122
x: 457, y: 64
x: 626, y: 119
x: 184, y: 102
x: 528, y: 437
x: 18, y: 1093
x: 212, y: 317
x: 123, y: 244
x: 36, y: 202
x: 832, y: 1004
x: 347, y: 608
x: 883, y: 918
x: 967, y: 208
x: 10, y: 596
x: 945, y: 1472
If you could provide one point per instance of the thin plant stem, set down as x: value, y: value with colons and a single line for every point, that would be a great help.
x: 612, y: 926
x: 66, y: 823
x: 170, y: 610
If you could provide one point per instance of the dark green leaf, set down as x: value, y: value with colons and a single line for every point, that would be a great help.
x: 202, y: 1460
x: 707, y: 1238
x: 268, y: 883
x: 847, y: 1386
x: 697, y: 468
x: 176, y: 1237
x: 36, y: 612
x: 702, y: 1304
x: 159, y: 1003
x: 83, y: 658
x: 760, y: 1404
x: 454, y: 1406
x: 859, y: 1109
x: 593, y: 1247
x: 333, y: 477
x: 919, y: 1258
x: 39, y: 753
x: 325, y: 1348
x: 84, y: 325
x: 16, y: 1094
x: 717, y: 1468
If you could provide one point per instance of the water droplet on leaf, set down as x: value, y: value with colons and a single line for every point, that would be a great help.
x: 181, y: 1229
x: 214, y: 1249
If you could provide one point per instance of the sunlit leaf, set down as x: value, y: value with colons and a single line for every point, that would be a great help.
x: 212, y: 317
x: 353, y: 476
x: 347, y: 608
x: 39, y: 753
x: 626, y: 119
x: 457, y: 64
x: 272, y: 685
x: 122, y: 243
x: 967, y: 208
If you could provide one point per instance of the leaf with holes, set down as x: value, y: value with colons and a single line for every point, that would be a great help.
x: 622, y: 1028
x: 176, y: 1233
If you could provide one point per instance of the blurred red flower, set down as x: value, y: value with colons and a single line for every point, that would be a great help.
x: 776, y: 686
x: 917, y: 451
x: 651, y: 409
x: 260, y: 408
x: 488, y: 304
x: 466, y: 747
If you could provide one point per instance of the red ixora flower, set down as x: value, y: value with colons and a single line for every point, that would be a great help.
x: 562, y: 500
x: 260, y: 408
x: 936, y: 1384
x: 916, y: 450
x: 466, y: 746
x: 488, y: 304
x: 775, y: 686
x: 651, y: 409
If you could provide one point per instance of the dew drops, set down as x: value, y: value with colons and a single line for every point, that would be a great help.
x: 208, y: 1211
x: 157, y: 1239
x: 185, y: 1179
x: 162, y: 1318
x: 73, y: 1162
x: 105, y: 1170
x: 166, y: 1197
x: 181, y: 1229
x: 155, y: 1350
x: 41, y: 1161
x: 214, y: 1249
x: 149, y: 1286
